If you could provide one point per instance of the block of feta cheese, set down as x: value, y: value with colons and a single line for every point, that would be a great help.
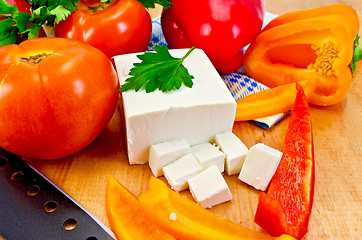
x: 234, y: 149
x: 165, y: 153
x: 177, y: 173
x: 260, y: 164
x: 208, y: 155
x: 196, y: 114
x: 209, y: 188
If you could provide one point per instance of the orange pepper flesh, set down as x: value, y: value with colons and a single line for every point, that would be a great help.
x: 126, y: 217
x: 272, y: 101
x: 190, y: 221
x: 316, y: 47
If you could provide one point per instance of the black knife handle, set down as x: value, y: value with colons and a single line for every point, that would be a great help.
x: 34, y: 208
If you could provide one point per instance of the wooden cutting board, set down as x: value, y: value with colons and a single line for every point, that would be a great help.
x: 337, y: 209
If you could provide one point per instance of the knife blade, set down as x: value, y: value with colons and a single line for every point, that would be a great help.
x: 34, y: 208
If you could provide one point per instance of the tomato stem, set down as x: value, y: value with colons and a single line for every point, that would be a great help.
x: 357, y: 54
x: 36, y: 59
x: 97, y: 7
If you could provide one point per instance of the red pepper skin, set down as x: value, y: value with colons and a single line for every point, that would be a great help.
x: 221, y: 28
x: 286, y: 206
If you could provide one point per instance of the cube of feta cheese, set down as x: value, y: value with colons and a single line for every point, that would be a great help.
x: 196, y: 114
x: 234, y: 149
x: 165, y: 153
x: 260, y: 164
x: 209, y: 188
x: 208, y: 155
x: 178, y: 172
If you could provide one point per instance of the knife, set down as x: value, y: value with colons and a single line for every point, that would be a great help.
x: 34, y: 208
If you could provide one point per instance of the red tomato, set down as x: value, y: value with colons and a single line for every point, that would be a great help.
x: 56, y: 96
x: 220, y: 27
x: 22, y: 5
x: 124, y: 26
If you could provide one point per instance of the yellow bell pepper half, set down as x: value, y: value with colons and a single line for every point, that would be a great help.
x: 315, y: 44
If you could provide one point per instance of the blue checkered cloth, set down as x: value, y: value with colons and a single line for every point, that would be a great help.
x: 238, y: 83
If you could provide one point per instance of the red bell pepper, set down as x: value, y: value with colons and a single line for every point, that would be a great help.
x: 220, y: 28
x: 286, y: 206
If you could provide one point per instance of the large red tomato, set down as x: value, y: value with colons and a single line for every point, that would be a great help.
x: 123, y: 26
x: 56, y: 96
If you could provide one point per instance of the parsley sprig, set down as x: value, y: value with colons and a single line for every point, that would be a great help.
x: 48, y: 12
x: 158, y: 70
x: 42, y: 12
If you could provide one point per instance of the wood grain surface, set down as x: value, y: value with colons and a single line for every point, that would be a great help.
x: 337, y: 208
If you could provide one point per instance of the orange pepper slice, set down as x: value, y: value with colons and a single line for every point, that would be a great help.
x: 126, y: 217
x: 271, y: 101
x: 185, y: 219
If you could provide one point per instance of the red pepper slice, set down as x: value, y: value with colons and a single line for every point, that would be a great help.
x: 286, y: 206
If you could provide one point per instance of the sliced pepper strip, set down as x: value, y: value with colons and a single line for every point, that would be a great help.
x: 185, y: 219
x: 316, y: 48
x: 126, y: 217
x: 270, y: 102
x: 286, y: 206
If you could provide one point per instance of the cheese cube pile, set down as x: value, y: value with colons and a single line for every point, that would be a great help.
x: 200, y: 167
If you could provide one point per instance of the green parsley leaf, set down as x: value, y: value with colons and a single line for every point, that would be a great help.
x: 5, y: 7
x: 33, y: 31
x: 60, y: 13
x: 42, y: 12
x: 22, y: 19
x: 151, y: 3
x: 158, y: 70
x: 8, y: 32
x: 357, y: 54
x: 69, y: 4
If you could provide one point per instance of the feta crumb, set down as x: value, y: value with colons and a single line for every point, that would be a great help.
x: 172, y: 216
